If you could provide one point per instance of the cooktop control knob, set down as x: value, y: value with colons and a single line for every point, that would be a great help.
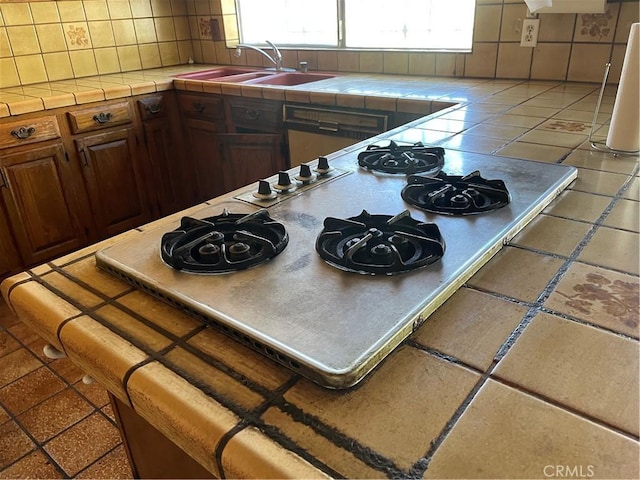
x: 284, y: 183
x: 264, y: 191
x: 305, y: 176
x: 323, y: 166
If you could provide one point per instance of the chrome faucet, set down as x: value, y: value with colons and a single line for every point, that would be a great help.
x: 276, y: 59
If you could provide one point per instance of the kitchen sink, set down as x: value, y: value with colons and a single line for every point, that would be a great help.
x: 216, y: 73
x: 292, y: 78
x: 254, y: 77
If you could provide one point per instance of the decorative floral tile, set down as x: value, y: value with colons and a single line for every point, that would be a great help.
x: 204, y: 27
x: 599, y: 296
x: 565, y: 126
x: 77, y: 36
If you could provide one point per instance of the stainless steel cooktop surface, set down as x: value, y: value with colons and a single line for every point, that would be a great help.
x: 327, y: 324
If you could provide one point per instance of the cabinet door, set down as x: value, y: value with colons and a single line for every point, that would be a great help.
x: 173, y: 176
x: 10, y: 260
x: 204, y: 156
x: 247, y: 158
x: 43, y: 195
x: 114, y: 180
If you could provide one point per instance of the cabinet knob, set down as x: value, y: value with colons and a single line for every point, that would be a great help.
x: 103, y: 117
x: 252, y: 114
x: 23, y: 132
x: 199, y: 107
x: 153, y: 108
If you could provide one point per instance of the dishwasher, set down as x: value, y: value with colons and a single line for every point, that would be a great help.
x: 314, y: 132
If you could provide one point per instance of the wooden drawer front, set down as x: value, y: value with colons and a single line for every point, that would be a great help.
x: 204, y: 107
x: 99, y: 117
x: 23, y: 132
x: 260, y: 116
x: 152, y: 107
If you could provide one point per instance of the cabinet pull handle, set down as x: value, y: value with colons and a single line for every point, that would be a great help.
x: 85, y: 162
x: 103, y: 117
x: 5, y: 184
x: 252, y: 114
x: 153, y: 108
x: 199, y: 107
x: 23, y: 132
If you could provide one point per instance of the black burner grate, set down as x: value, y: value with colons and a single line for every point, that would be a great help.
x: 402, y: 159
x: 379, y: 244
x: 456, y: 195
x: 223, y: 243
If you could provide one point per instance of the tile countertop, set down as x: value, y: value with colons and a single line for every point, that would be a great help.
x: 530, y: 370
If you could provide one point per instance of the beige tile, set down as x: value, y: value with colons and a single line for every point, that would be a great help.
x: 505, y: 132
x: 556, y: 27
x: 16, y: 14
x: 165, y: 29
x: 71, y: 11
x: 594, y: 181
x: 503, y: 274
x: 396, y: 62
x: 30, y: 69
x: 625, y: 256
x: 5, y: 47
x: 511, y: 25
x: 250, y: 454
x: 162, y: 8
x: 552, y: 234
x: 533, y: 111
x: 402, y: 406
x: 191, y: 419
x: 601, y: 161
x: 629, y: 14
x: 124, y: 32
x: 572, y: 364
x: 327, y: 60
x: 107, y: 60
x: 422, y: 63
x: 512, y: 120
x: 583, y: 58
x: 550, y: 61
x: 578, y: 206
x: 473, y: 143
x: 482, y: 62
x: 51, y: 38
x: 181, y: 25
x: 145, y: 30
x: 348, y: 61
x: 150, y: 56
x: 141, y: 8
x: 96, y: 9
x: 169, y: 53
x: 23, y: 40
x: 446, y: 64
x: 58, y: 66
x: 101, y: 34
x: 371, y: 62
x: 633, y: 190
x: 119, y: 9
x: 547, y: 137
x: 83, y: 63
x: 625, y: 215
x: 532, y: 151
x: 129, y: 58
x: 44, y: 12
x: 505, y: 433
x: 470, y: 326
x: 487, y: 23
x: 342, y: 461
x: 598, y: 296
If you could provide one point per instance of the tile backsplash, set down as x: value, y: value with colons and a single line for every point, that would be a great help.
x: 54, y: 40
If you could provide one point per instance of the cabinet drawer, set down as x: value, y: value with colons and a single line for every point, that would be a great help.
x: 103, y: 116
x: 262, y: 116
x: 204, y: 107
x: 152, y: 107
x: 23, y: 132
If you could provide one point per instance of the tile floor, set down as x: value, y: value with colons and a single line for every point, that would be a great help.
x: 52, y: 425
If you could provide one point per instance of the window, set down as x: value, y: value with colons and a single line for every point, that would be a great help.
x: 359, y: 24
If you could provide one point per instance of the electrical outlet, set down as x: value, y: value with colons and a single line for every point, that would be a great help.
x: 530, y: 28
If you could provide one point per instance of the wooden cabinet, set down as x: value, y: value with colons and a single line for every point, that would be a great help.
x: 10, y: 261
x: 42, y: 193
x: 114, y: 180
x: 202, y: 120
x: 173, y: 176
